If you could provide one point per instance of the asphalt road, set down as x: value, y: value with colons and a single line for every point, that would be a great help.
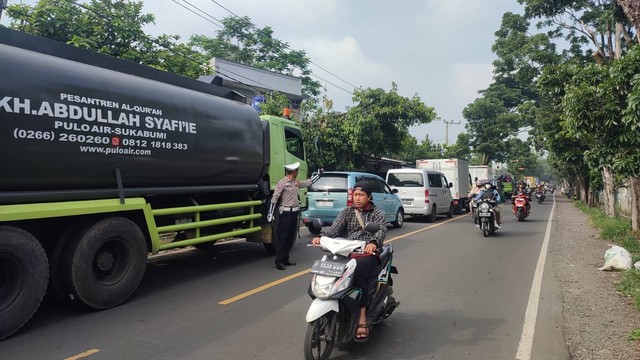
x: 462, y: 296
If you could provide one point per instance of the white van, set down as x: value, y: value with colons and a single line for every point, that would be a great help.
x: 423, y: 192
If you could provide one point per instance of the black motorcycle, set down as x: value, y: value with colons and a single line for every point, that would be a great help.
x: 487, y: 216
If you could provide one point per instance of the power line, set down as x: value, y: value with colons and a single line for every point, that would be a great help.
x: 218, y: 25
x: 144, y: 35
x: 336, y: 76
x: 329, y: 82
x: 217, y: 3
x: 329, y: 72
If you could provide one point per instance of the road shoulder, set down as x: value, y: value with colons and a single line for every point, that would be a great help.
x: 597, y: 320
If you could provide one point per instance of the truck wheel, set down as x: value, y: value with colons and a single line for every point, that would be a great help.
x: 399, y: 219
x: 104, y: 264
x: 24, y: 274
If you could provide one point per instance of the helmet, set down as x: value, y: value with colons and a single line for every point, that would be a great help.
x: 520, y: 183
x: 479, y: 183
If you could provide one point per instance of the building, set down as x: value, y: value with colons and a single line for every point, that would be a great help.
x: 253, y: 82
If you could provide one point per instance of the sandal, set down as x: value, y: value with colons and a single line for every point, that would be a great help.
x: 362, y: 336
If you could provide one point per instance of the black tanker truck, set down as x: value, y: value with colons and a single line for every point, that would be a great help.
x: 104, y: 161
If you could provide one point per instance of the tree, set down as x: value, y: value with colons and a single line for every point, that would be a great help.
x: 603, y: 25
x: 378, y: 122
x: 110, y: 27
x: 243, y: 42
x: 488, y: 123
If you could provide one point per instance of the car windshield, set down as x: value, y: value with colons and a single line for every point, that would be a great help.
x: 405, y: 180
x: 331, y: 183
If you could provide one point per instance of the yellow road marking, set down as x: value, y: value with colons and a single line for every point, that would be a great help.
x: 304, y: 272
x: 84, y: 354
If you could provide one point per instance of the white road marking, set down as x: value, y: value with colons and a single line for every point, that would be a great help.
x: 530, y: 316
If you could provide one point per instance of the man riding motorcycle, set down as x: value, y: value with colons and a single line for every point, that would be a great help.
x: 349, y: 226
x: 522, y: 188
x: 489, y: 191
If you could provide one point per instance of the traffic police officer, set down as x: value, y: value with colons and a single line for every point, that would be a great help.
x: 287, y: 192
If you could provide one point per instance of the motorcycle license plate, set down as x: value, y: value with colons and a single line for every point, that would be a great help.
x: 328, y: 268
x: 485, y: 214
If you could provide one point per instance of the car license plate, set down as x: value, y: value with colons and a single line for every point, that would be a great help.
x: 328, y: 268
x: 407, y: 202
x: 485, y: 214
x: 325, y: 203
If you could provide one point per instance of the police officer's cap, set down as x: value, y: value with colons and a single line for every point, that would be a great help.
x: 292, y: 167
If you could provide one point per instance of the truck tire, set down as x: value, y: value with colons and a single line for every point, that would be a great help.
x: 24, y: 275
x: 104, y: 264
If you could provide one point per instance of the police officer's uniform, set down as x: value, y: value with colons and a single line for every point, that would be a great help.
x: 287, y: 192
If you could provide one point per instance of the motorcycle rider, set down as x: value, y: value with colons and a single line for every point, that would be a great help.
x: 541, y: 190
x: 472, y: 194
x: 476, y: 189
x: 521, y: 188
x: 348, y: 225
x: 492, y: 193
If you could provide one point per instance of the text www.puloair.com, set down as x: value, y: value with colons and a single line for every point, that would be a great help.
x: 114, y: 150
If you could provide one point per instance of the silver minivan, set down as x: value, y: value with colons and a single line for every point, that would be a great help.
x: 423, y: 192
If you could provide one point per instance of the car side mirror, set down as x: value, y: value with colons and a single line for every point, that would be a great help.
x: 395, y: 191
x: 450, y: 185
x: 372, y: 227
x: 316, y: 224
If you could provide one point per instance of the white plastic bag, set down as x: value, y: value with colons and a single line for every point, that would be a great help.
x: 617, y: 258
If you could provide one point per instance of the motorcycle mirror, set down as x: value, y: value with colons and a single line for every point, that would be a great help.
x: 317, y: 224
x: 372, y: 227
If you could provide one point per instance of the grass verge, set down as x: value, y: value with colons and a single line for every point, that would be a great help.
x: 618, y: 230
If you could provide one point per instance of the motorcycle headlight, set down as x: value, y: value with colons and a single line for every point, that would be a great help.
x: 324, y: 286
x: 484, y: 207
x: 321, y: 286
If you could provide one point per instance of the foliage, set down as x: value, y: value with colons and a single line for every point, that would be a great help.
x: 243, y: 42
x: 274, y: 103
x: 488, y: 123
x: 376, y: 126
x: 378, y: 122
x: 109, y: 27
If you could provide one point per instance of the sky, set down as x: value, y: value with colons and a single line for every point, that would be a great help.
x: 437, y: 49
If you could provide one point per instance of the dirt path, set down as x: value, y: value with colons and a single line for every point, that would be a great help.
x: 597, y: 319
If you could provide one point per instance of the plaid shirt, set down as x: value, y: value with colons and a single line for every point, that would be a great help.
x: 347, y: 225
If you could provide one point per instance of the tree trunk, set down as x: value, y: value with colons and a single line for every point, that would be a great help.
x: 608, y: 192
x: 631, y: 9
x: 634, y: 187
x: 583, y: 190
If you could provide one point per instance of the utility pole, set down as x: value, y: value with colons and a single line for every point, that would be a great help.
x: 446, y: 129
x: 3, y: 5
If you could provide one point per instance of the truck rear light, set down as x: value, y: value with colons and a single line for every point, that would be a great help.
x: 349, y: 197
x: 455, y: 202
x: 426, y: 196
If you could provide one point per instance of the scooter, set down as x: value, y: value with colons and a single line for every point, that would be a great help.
x: 539, y: 197
x: 334, y: 313
x: 520, y: 208
x: 486, y: 216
